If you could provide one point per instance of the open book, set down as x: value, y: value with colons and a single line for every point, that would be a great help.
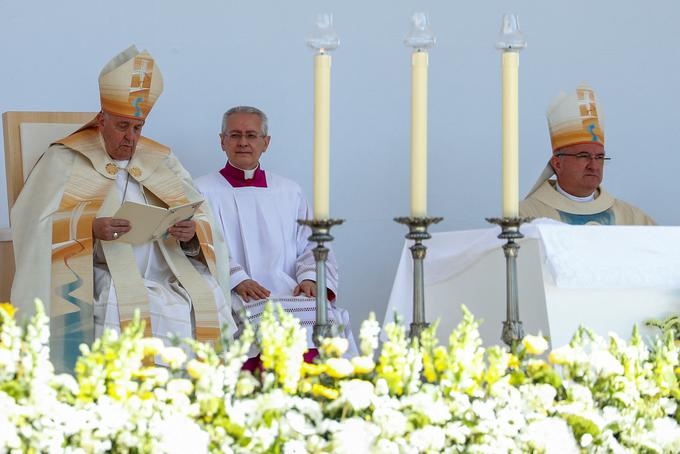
x: 150, y: 222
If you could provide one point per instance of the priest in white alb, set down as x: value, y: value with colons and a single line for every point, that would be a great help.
x: 71, y: 251
x: 576, y: 195
x: 271, y: 256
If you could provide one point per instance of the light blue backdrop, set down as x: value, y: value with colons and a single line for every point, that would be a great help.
x: 216, y: 54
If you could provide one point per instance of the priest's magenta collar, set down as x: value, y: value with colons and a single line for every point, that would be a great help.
x: 237, y: 177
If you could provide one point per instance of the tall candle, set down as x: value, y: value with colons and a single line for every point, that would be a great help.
x: 322, y: 114
x: 510, y: 134
x: 419, y: 63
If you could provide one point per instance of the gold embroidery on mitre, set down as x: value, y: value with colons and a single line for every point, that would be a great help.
x: 135, y: 171
x: 111, y: 168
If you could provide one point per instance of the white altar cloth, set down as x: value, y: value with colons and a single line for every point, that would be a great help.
x: 563, y: 272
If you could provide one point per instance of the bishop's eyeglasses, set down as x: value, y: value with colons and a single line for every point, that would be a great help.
x: 585, y: 157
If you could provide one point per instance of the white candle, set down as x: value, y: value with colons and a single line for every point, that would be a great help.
x: 510, y: 133
x: 322, y: 114
x: 419, y: 62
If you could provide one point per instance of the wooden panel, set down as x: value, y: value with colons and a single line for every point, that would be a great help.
x: 11, y: 122
x: 6, y: 269
x: 11, y: 129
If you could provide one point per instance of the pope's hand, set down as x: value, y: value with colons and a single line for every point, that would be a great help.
x: 183, y: 230
x: 308, y: 287
x: 250, y: 289
x: 109, y: 229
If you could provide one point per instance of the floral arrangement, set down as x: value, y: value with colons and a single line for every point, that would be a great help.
x: 593, y: 395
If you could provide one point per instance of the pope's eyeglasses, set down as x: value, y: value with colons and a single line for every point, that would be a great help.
x: 584, y: 157
x: 237, y: 136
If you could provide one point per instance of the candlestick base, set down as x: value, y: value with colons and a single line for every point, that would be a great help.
x: 320, y: 235
x: 513, y: 332
x: 417, y: 227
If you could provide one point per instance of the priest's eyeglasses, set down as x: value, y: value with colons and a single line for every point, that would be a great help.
x: 584, y: 157
x: 249, y: 136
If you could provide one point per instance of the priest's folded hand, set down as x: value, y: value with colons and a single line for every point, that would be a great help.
x: 183, y: 230
x: 307, y: 287
x: 251, y: 289
x: 109, y: 229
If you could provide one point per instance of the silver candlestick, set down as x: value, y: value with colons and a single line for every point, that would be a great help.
x: 417, y: 231
x: 513, y: 332
x: 320, y: 235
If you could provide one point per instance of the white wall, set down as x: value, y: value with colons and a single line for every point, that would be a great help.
x: 219, y: 53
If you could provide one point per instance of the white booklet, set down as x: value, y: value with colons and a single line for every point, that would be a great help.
x: 150, y: 222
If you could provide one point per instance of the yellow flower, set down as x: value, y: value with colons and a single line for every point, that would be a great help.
x: 363, y: 364
x: 535, y: 345
x: 328, y: 393
x: 339, y: 367
x: 151, y: 345
x: 334, y: 346
x: 561, y: 355
x: 116, y: 391
x: 513, y: 362
x: 313, y: 369
x: 196, y: 368
x: 305, y: 386
x: 8, y: 309
x: 441, y: 359
x: 428, y: 367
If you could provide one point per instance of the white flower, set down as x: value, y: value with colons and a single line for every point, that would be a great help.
x: 664, y: 436
x: 381, y: 387
x: 551, y: 435
x: 428, y: 403
x: 586, y: 440
x: 428, y: 438
x: 538, y: 397
x: 197, y: 368
x: 392, y: 423
x: 297, y: 423
x: 605, y: 364
x: 669, y: 405
x: 180, y: 386
x: 240, y: 410
x: 457, y: 432
x: 363, y: 364
x: 334, y: 346
x: 562, y: 355
x: 151, y: 345
x: 294, y: 447
x: 357, y: 393
x: 339, y: 367
x: 354, y: 436
x: 174, y: 356
x: 368, y: 335
x: 535, y: 345
x: 483, y: 409
x: 385, y: 446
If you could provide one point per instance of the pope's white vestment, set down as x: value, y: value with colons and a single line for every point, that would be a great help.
x: 59, y: 261
x: 169, y: 302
